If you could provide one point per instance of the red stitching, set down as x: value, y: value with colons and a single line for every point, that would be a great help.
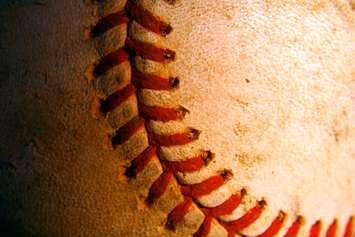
x: 295, y: 227
x: 179, y: 212
x: 110, y: 60
x: 205, y: 228
x: 206, y: 186
x: 176, y: 139
x: 147, y: 19
x: 108, y: 22
x: 160, y: 186
x: 275, y: 226
x: 315, y: 229
x: 127, y: 131
x: 192, y: 164
x: 117, y: 98
x: 161, y: 113
x: 141, y: 161
x: 250, y: 217
x: 228, y: 206
x: 149, y: 51
x: 332, y: 229
x: 153, y: 82
x: 349, y: 227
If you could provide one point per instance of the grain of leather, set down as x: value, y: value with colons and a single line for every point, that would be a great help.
x: 270, y: 85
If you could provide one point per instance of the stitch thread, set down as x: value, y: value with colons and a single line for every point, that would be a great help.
x: 127, y: 131
x: 295, y: 227
x: 205, y: 228
x: 315, y: 229
x: 149, y: 51
x: 251, y: 216
x: 109, y: 22
x: 141, y: 161
x: 148, y: 20
x: 349, y: 227
x: 192, y: 164
x: 117, y: 98
x: 176, y: 139
x: 153, y: 82
x: 179, y: 212
x: 205, y: 187
x: 159, y: 186
x: 162, y: 114
x: 110, y: 60
x: 228, y: 206
x: 331, y: 231
x: 275, y: 226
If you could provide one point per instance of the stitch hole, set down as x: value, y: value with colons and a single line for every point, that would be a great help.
x: 165, y: 29
x: 169, y: 54
x: 194, y: 133
x: 226, y: 174
x: 208, y: 156
x: 174, y: 82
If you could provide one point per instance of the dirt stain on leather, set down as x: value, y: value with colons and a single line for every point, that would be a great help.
x: 249, y: 160
x: 340, y: 128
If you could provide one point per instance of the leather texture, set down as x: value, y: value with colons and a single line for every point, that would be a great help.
x: 270, y: 85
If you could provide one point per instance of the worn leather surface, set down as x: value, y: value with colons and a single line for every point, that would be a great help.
x: 270, y: 84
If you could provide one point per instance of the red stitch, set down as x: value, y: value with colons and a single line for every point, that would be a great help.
x: 332, y: 229
x: 231, y: 234
x: 192, y: 164
x: 141, y: 161
x: 251, y: 216
x: 162, y: 114
x: 159, y: 186
x: 117, y: 98
x: 205, y: 228
x: 175, y: 139
x: 205, y: 187
x: 153, y: 82
x: 149, y: 51
x: 108, y: 22
x: 127, y: 131
x: 228, y: 206
x: 110, y: 60
x: 147, y: 19
x: 315, y: 229
x: 295, y: 227
x: 275, y: 226
x: 179, y: 212
x: 349, y: 227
